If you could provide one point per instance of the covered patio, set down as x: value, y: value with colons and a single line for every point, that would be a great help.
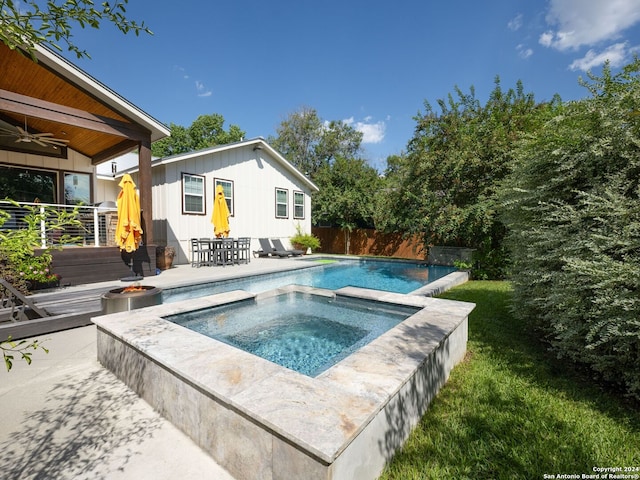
x: 57, y: 123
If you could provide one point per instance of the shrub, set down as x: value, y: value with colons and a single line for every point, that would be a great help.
x: 18, y: 261
x: 574, y: 216
x: 305, y: 240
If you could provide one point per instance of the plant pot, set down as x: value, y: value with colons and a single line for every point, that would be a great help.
x: 298, y: 246
x: 164, y: 257
x: 164, y: 261
x: 37, y: 285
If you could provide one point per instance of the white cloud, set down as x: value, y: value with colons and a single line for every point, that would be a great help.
x: 372, y: 132
x: 202, y: 91
x: 579, y: 23
x: 523, y: 51
x: 515, y: 23
x: 546, y: 39
x: 616, y: 55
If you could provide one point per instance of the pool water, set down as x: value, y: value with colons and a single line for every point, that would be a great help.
x: 389, y: 276
x: 302, y: 332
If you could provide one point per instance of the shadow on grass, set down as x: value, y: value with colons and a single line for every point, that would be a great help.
x: 493, y: 328
x: 88, y: 429
x: 511, y: 410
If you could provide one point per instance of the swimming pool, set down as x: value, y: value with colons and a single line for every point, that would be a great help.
x: 302, y: 332
x: 386, y: 275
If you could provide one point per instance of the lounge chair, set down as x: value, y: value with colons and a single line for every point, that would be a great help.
x: 279, y: 246
x: 268, y: 250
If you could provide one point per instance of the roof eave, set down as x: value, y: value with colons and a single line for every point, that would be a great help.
x: 83, y: 80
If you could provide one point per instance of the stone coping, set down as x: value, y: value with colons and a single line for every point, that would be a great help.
x: 321, y: 415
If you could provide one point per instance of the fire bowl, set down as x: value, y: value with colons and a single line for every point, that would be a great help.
x: 130, y: 298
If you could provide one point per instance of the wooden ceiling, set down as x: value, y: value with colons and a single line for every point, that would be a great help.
x: 36, y: 92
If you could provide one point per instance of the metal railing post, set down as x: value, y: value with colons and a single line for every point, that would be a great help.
x: 96, y: 228
x: 43, y: 229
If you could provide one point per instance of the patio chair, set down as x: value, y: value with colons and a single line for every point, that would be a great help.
x: 196, y: 256
x: 279, y: 246
x: 241, y: 250
x: 267, y: 250
x: 224, y: 251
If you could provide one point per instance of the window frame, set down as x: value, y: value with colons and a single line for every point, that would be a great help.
x: 300, y: 194
x: 88, y: 180
x: 184, y: 194
x: 286, y: 203
x: 231, y: 199
x: 54, y: 175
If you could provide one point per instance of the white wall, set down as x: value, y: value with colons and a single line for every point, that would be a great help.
x: 76, y: 162
x: 255, y: 176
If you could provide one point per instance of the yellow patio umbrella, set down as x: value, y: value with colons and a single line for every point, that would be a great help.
x: 128, y: 230
x: 220, y: 217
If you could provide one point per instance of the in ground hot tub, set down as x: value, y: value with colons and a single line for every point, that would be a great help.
x: 307, y: 333
x: 258, y: 419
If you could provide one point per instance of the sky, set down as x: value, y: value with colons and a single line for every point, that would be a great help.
x: 371, y: 64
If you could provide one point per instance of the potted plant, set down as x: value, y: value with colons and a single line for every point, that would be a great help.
x: 304, y: 241
x: 164, y: 256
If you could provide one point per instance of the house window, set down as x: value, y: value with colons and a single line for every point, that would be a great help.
x: 282, y: 204
x: 28, y: 185
x: 193, y: 199
x: 77, y: 189
x: 227, y: 186
x: 298, y: 205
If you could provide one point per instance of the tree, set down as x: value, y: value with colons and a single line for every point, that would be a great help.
x: 309, y: 143
x: 206, y: 131
x: 572, y: 206
x: 445, y: 187
x: 346, y: 196
x: 24, y: 24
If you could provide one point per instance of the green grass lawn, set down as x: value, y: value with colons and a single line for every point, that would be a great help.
x: 512, y: 411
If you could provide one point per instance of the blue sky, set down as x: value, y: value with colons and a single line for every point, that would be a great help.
x: 370, y: 63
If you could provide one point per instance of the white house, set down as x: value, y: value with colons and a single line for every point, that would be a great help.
x: 266, y: 195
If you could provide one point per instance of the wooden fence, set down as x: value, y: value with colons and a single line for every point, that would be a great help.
x: 369, y: 242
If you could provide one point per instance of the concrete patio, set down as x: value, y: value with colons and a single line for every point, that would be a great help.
x: 67, y: 417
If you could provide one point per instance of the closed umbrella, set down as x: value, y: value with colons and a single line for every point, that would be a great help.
x: 220, y: 217
x: 128, y: 230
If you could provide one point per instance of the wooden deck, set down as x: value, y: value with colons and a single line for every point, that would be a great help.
x: 65, y: 309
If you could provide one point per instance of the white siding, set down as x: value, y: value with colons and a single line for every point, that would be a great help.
x: 255, y: 176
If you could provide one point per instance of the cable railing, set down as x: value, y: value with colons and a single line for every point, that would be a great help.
x: 96, y: 226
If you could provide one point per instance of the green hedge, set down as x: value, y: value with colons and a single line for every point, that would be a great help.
x: 572, y: 207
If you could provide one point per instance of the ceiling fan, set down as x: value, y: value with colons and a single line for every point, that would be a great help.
x: 23, y: 135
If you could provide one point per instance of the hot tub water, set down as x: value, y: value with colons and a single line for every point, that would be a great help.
x: 305, y: 333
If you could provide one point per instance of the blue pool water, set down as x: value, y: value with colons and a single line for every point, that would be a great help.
x: 302, y: 332
x: 390, y: 276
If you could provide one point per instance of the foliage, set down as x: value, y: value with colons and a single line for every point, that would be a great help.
x: 10, y: 347
x: 445, y: 186
x: 305, y: 240
x: 17, y: 246
x: 510, y: 411
x: 25, y: 24
x: 206, y: 131
x: 310, y: 143
x: 346, y: 196
x: 573, y: 210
